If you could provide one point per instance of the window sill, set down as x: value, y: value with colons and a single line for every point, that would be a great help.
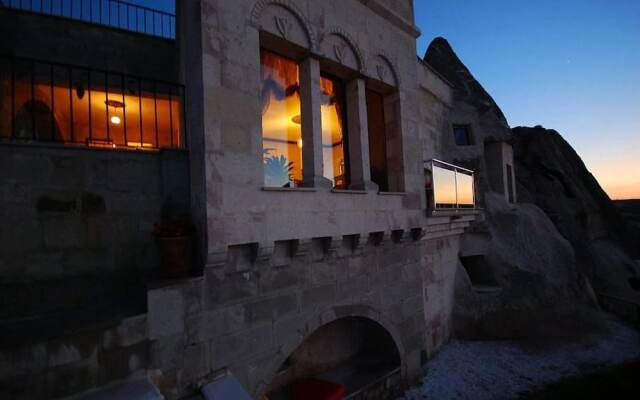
x: 278, y: 189
x: 392, y: 193
x: 347, y: 191
x: 453, y: 213
x: 10, y: 142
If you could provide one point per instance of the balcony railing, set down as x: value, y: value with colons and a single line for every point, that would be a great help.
x: 112, y: 13
x: 449, y: 187
x: 41, y: 101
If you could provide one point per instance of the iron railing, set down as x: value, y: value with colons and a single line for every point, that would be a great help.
x: 51, y: 102
x: 112, y: 13
x: 449, y: 187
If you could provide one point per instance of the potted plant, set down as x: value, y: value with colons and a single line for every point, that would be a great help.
x: 277, y: 171
x: 173, y: 237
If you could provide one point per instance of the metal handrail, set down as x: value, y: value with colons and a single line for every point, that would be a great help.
x: 109, y: 13
x: 452, y: 165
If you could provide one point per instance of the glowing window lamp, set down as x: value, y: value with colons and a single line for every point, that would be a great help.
x: 115, y: 120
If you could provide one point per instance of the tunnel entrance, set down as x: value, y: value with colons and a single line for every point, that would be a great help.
x: 350, y: 358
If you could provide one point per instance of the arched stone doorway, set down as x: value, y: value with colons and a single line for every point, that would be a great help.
x: 354, y: 353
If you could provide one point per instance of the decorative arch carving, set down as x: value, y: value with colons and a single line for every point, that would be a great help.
x: 316, y: 321
x: 337, y: 51
x: 282, y: 24
x: 382, y: 68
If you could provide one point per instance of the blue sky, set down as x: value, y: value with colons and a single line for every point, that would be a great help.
x: 570, y: 65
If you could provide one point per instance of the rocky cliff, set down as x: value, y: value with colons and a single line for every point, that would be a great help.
x: 551, y: 175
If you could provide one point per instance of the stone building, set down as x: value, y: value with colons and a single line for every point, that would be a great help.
x: 325, y: 167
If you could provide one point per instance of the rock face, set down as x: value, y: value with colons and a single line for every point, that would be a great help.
x: 552, y: 176
x: 538, y: 290
x: 469, y: 94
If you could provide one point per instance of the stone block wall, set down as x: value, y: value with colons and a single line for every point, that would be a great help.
x: 253, y: 308
x: 77, y: 229
x: 67, y: 41
x: 89, y: 358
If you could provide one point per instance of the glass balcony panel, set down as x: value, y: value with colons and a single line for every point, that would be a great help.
x: 444, y: 187
x: 465, y: 190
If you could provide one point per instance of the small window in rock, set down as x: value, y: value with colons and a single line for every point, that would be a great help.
x: 510, y: 183
x: 462, y: 135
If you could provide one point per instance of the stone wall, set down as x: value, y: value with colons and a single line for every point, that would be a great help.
x: 67, y: 41
x: 77, y: 231
x: 248, y: 313
x: 229, y: 69
x: 84, y: 360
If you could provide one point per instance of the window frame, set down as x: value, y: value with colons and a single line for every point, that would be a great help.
x: 468, y: 131
x: 345, y: 128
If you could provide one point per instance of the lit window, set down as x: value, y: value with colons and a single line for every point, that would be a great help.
x: 462, y: 135
x: 281, y: 121
x: 56, y: 103
x: 333, y: 132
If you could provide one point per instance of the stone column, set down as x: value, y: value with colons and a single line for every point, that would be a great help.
x: 358, y: 131
x: 312, y: 168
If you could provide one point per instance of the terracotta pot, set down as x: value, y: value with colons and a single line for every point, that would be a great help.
x: 175, y: 256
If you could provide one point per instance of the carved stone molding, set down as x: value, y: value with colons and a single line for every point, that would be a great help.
x: 382, y: 67
x: 340, y: 51
x: 283, y: 24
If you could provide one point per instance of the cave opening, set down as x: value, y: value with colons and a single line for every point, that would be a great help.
x: 348, y: 358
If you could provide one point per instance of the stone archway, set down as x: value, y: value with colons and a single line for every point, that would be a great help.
x: 354, y: 352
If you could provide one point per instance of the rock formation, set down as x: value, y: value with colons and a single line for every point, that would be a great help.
x: 551, y: 175
x: 544, y: 260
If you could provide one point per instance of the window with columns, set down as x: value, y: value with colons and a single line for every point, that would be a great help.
x: 325, y: 125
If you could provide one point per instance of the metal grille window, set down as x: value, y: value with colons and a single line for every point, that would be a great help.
x: 67, y: 104
x: 112, y: 13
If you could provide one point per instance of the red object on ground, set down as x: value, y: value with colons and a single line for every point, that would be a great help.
x: 316, y: 389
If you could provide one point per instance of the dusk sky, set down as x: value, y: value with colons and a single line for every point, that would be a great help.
x: 569, y: 65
